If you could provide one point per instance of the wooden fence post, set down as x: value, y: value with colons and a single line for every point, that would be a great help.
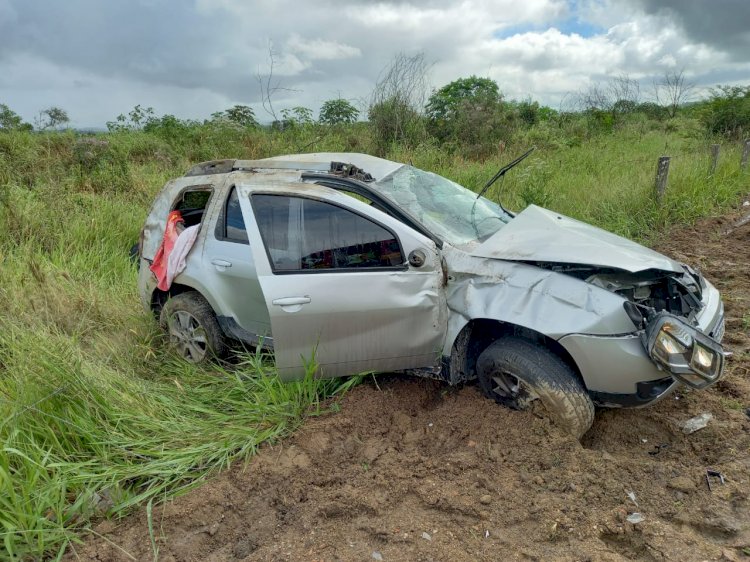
x: 745, y: 153
x: 715, y: 148
x: 662, y: 173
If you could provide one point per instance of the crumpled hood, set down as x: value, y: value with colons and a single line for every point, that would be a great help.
x: 540, y: 235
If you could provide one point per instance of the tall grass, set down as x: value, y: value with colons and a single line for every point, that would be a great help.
x: 81, y: 438
x: 97, y: 417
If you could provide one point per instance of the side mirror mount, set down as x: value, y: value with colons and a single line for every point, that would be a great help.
x: 417, y: 258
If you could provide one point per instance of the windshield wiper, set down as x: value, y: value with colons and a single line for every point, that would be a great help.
x: 501, y: 172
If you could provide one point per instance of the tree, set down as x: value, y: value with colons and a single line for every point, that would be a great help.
x: 444, y: 103
x: 295, y: 117
x: 469, y: 112
x: 137, y: 119
x: 10, y: 120
x: 673, y: 90
x: 52, y: 118
x: 338, y: 111
x: 242, y: 115
x: 169, y: 127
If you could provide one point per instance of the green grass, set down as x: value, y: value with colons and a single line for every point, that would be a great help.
x: 82, y: 438
x: 96, y: 417
x: 609, y: 181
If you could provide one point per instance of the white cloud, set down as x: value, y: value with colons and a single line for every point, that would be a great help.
x: 321, y: 49
x: 99, y: 59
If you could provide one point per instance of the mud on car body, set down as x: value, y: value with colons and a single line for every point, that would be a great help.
x: 378, y: 266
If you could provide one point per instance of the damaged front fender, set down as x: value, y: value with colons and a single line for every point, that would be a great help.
x: 545, y: 301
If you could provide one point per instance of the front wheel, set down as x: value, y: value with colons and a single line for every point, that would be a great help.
x: 515, y: 372
x: 194, y: 332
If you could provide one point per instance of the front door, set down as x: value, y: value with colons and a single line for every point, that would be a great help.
x: 339, y: 291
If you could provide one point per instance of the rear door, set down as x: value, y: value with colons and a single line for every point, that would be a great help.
x: 231, y: 277
x: 338, y: 288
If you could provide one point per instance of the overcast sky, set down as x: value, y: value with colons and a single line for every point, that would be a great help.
x: 97, y: 59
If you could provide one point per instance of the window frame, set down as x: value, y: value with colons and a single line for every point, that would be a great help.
x: 402, y: 267
x: 220, y: 230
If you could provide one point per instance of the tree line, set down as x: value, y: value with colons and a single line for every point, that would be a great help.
x: 470, y: 112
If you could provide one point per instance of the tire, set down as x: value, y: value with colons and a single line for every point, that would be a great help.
x: 515, y: 372
x: 193, y: 330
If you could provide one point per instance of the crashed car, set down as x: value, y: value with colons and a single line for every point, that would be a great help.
x: 361, y: 264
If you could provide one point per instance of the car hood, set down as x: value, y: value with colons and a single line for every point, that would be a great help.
x: 540, y: 235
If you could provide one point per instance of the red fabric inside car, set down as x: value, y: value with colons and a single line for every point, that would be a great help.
x: 159, y: 265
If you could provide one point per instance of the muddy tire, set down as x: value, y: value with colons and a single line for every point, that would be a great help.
x: 193, y: 330
x: 515, y: 372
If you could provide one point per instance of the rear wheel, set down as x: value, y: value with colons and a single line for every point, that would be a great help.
x: 515, y: 372
x: 193, y: 330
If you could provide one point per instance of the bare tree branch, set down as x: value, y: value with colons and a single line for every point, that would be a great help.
x: 673, y: 90
x: 269, y: 87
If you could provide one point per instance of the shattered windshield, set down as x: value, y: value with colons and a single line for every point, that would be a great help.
x: 448, y: 210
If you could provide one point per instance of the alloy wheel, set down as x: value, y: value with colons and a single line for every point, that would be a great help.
x: 187, y: 336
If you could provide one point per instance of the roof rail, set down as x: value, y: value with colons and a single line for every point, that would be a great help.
x: 211, y: 167
x: 281, y: 165
x: 225, y: 166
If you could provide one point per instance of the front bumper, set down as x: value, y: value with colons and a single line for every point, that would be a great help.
x: 618, y: 371
x: 646, y: 393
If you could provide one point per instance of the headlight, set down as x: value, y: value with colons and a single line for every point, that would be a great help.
x: 690, y: 355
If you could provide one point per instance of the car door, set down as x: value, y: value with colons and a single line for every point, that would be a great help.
x: 338, y: 288
x: 230, y: 275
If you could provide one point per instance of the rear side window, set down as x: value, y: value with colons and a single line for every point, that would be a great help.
x: 307, y: 235
x: 192, y: 204
x: 231, y: 224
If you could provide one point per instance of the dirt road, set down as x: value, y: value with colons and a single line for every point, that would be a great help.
x: 414, y: 470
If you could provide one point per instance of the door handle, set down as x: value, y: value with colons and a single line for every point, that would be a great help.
x: 221, y: 265
x: 291, y: 301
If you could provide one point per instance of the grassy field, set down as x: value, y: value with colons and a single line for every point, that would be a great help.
x: 96, y: 416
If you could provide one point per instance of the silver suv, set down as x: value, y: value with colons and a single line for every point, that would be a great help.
x: 363, y: 264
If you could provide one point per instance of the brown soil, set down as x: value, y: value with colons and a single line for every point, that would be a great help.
x: 415, y: 470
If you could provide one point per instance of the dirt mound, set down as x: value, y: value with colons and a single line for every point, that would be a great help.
x: 414, y: 470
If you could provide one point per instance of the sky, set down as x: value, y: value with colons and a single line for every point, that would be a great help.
x: 190, y: 58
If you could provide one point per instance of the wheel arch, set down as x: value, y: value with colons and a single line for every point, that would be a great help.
x: 479, y: 333
x: 159, y: 297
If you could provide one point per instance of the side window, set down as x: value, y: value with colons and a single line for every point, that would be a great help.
x: 305, y: 234
x: 235, y: 224
x: 192, y: 204
x: 231, y: 225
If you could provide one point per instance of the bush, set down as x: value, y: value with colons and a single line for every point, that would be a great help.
x: 394, y: 120
x: 653, y: 110
x: 728, y: 111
